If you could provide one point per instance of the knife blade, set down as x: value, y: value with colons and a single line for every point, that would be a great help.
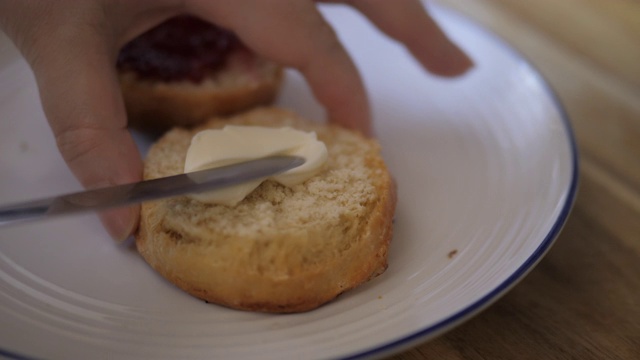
x: 128, y: 194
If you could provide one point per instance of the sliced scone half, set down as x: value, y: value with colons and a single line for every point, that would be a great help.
x: 186, y: 70
x: 280, y: 249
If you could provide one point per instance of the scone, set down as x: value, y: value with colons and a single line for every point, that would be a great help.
x: 280, y: 249
x: 185, y: 71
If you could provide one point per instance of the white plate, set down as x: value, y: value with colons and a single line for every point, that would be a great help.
x: 486, y: 168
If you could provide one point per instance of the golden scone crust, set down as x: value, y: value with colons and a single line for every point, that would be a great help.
x: 245, y: 81
x: 280, y: 249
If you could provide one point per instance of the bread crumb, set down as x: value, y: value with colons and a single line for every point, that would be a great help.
x: 452, y: 253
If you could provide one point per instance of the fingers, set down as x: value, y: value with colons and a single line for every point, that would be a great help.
x: 81, y: 98
x: 408, y: 22
x: 293, y: 33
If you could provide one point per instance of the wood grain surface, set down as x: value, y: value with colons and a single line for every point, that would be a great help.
x: 583, y: 300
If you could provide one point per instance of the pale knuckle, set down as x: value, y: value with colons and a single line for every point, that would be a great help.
x: 76, y: 143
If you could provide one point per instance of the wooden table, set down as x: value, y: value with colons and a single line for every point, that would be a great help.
x: 583, y: 300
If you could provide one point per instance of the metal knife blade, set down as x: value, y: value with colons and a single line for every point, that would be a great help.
x: 128, y: 194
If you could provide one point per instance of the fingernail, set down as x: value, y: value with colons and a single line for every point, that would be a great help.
x: 120, y: 223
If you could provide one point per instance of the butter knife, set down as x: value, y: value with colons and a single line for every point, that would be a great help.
x: 128, y: 194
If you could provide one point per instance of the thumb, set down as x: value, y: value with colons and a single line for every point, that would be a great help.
x: 81, y: 98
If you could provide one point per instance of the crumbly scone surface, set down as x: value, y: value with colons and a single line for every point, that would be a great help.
x: 315, y: 216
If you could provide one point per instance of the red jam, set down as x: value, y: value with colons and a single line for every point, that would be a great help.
x: 181, y: 48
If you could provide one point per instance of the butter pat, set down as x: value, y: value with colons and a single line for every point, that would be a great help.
x: 233, y: 144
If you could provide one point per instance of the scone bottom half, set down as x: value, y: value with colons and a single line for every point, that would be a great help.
x: 281, y: 249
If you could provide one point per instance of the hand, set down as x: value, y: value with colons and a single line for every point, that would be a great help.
x: 72, y: 46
